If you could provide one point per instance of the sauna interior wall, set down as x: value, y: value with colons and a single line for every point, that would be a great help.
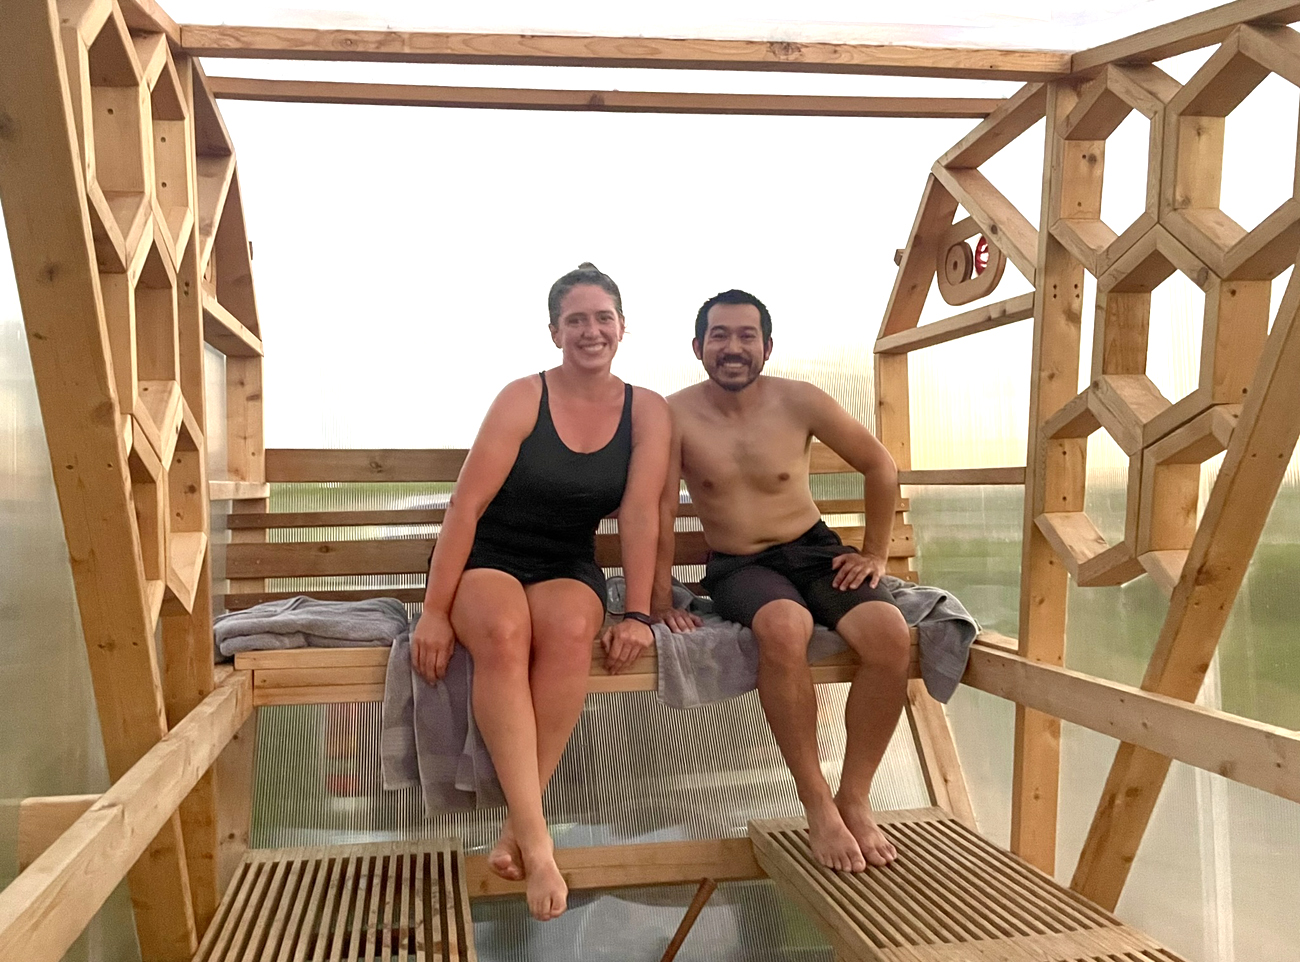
x: 44, y: 750
x: 1218, y: 873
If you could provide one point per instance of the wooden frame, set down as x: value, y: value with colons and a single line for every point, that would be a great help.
x: 133, y: 254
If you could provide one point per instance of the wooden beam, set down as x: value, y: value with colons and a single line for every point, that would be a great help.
x: 147, y: 15
x: 1239, y: 504
x: 984, y: 318
x: 1190, y: 33
x: 1013, y: 475
x: 601, y: 101
x: 1054, y: 375
x: 272, y: 43
x: 224, y: 490
x: 44, y: 910
x: 624, y: 866
x: 1263, y: 756
x: 937, y: 752
x: 1011, y: 119
x: 920, y: 256
x: 43, y: 193
x: 1004, y: 226
x: 223, y: 331
x: 42, y: 820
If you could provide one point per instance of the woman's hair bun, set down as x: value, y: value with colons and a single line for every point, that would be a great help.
x: 587, y: 266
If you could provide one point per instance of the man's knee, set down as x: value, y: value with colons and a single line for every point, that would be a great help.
x: 783, y: 629
x: 878, y: 633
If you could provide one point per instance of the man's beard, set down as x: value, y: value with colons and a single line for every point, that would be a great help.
x: 733, y: 387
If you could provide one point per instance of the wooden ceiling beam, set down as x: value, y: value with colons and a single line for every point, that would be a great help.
x: 609, y: 101
x: 279, y: 43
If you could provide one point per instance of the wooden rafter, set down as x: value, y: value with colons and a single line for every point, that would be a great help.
x: 1189, y: 33
x: 272, y: 43
x: 606, y: 101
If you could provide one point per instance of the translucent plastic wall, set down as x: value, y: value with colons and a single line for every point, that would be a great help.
x: 50, y: 742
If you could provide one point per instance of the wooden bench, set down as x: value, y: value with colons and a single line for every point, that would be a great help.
x: 951, y: 896
x: 378, y: 543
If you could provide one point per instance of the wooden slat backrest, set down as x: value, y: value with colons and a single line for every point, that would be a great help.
x: 248, y: 564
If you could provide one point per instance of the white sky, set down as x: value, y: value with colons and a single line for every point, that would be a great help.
x: 403, y: 255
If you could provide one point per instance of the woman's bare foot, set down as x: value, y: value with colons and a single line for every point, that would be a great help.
x: 547, y: 893
x: 857, y: 815
x: 505, y: 858
x: 832, y: 843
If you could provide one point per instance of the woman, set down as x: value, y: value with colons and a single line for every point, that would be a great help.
x: 514, y: 578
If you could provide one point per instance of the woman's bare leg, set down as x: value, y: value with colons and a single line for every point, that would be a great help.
x: 566, y: 615
x: 492, y: 621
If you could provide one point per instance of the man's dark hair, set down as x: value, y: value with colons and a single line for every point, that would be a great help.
x: 733, y: 297
x: 586, y: 273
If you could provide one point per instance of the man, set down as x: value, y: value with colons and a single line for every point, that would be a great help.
x: 741, y: 441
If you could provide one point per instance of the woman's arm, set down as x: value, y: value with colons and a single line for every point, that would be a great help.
x: 638, y: 520
x: 509, y: 420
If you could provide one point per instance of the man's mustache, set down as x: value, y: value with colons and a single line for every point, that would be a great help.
x: 733, y: 359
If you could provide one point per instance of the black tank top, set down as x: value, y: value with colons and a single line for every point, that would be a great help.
x: 554, y: 498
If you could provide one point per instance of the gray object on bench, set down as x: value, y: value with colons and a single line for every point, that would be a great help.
x: 302, y: 622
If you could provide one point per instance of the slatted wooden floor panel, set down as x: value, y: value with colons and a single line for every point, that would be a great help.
x: 950, y: 896
x: 388, y: 902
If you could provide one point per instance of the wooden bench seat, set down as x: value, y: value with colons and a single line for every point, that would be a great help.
x: 316, y: 676
x: 952, y: 896
x: 348, y: 903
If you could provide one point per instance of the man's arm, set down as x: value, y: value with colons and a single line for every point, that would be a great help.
x: 850, y: 439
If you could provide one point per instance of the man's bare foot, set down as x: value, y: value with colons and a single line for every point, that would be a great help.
x: 876, y: 848
x: 832, y: 843
x: 547, y: 893
x: 505, y: 859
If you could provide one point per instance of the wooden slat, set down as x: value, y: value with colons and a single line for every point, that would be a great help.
x: 1004, y: 226
x: 1239, y: 504
x: 937, y: 751
x: 224, y: 490
x: 223, y: 331
x: 42, y: 820
x: 1011, y: 119
x: 1189, y: 33
x: 628, y: 866
x: 984, y: 318
x: 917, y: 268
x: 46, y: 907
x: 270, y: 43
x: 611, y: 101
x: 395, y: 556
x: 1010, y: 475
x: 148, y: 15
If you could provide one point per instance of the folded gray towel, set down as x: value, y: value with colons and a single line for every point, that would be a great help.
x: 428, y: 736
x: 720, y: 659
x: 300, y: 622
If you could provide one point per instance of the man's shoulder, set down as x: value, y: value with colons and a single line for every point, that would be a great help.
x: 687, y: 397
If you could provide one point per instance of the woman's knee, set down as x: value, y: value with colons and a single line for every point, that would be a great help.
x: 500, y: 645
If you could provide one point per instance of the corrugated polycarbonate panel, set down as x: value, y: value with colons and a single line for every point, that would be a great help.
x: 634, y: 771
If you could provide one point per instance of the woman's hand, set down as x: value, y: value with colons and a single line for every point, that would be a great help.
x: 677, y: 619
x: 431, y: 645
x: 624, y: 643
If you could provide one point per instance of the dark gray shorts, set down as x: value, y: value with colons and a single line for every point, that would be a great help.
x: 798, y: 571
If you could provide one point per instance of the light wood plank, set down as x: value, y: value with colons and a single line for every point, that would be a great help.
x: 41, y: 820
x: 46, y: 907
x: 963, y: 476
x: 225, y: 490
x: 1001, y: 223
x: 223, y: 331
x: 1189, y: 33
x: 611, y: 101
x: 938, y: 754
x: 1239, y: 505
x: 1054, y: 376
x: 984, y: 318
x: 627, y: 866
x: 920, y: 255
x: 148, y: 15
x: 265, y: 43
x: 1011, y: 119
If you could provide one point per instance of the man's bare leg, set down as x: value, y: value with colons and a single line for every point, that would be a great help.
x: 566, y: 615
x: 785, y: 688
x: 877, y: 632
x: 491, y: 619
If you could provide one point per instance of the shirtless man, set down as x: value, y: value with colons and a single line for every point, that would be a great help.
x: 741, y: 441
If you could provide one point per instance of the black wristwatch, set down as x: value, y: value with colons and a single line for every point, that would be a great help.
x: 640, y: 616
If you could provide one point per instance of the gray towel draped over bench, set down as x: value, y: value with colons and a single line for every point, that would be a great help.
x: 429, y: 737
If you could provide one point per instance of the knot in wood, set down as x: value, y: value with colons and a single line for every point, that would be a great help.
x: 785, y: 50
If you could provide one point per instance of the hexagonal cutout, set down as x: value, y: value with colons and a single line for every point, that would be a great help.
x: 1195, y: 133
x: 156, y: 339
x: 187, y: 507
x: 172, y: 152
x: 119, y: 132
x: 1170, y: 488
x: 149, y: 494
x: 1129, y: 97
x: 1154, y: 294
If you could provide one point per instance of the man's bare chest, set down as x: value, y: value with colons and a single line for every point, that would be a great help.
x: 722, y: 458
